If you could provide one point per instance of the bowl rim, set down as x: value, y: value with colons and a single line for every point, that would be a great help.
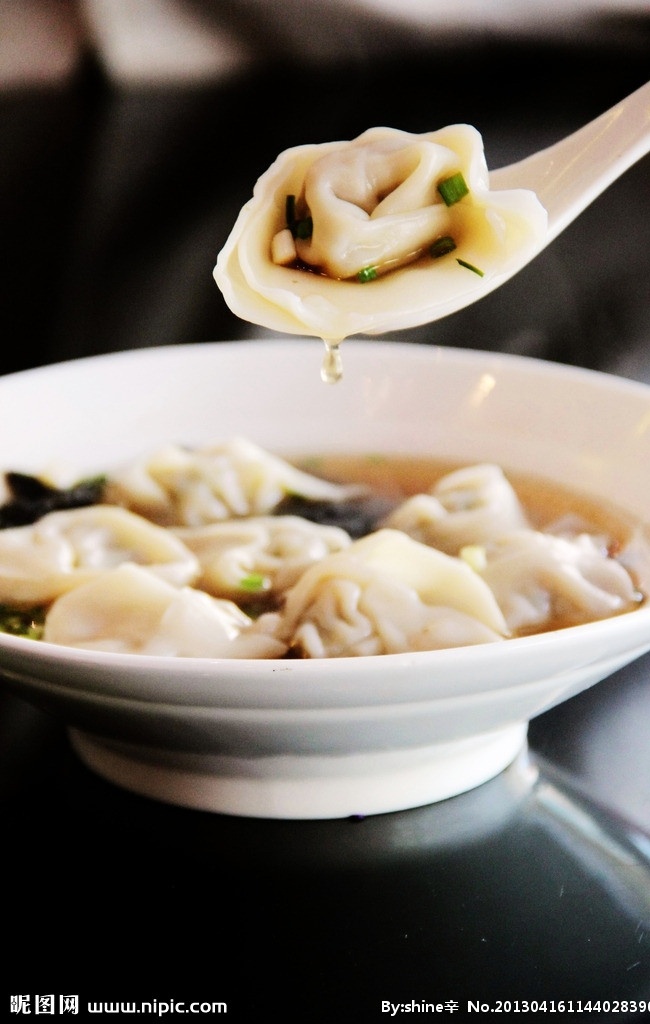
x: 359, y: 345
x: 369, y: 680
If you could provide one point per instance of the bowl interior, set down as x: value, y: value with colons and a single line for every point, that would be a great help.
x: 579, y: 428
x: 582, y: 428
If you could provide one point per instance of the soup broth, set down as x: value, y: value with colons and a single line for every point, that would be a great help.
x: 394, y: 478
x: 548, y: 507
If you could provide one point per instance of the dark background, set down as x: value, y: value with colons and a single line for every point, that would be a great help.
x: 114, y: 201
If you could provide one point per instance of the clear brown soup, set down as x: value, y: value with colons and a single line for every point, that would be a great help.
x: 398, y: 477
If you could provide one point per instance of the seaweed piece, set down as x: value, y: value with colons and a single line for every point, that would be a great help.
x: 358, y: 516
x: 31, y: 498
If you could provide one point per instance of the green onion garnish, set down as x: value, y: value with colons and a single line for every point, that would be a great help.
x: 470, y: 266
x: 290, y: 211
x: 19, y: 622
x: 302, y: 228
x: 474, y: 555
x: 367, y: 274
x: 442, y: 246
x: 254, y: 582
x: 453, y: 189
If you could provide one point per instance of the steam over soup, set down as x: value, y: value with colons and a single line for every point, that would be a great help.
x: 371, y: 235
x: 229, y: 551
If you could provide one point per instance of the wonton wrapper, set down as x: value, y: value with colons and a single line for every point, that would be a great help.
x: 176, y: 486
x: 272, y: 550
x: 374, y: 202
x: 538, y: 579
x: 64, y: 549
x: 130, y: 610
x: 387, y: 594
x: 468, y: 506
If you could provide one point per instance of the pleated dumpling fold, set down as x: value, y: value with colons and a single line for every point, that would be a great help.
x: 354, y: 237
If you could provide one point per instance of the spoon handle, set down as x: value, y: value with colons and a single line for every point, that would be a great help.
x: 570, y: 174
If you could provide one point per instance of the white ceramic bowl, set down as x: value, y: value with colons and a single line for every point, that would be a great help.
x: 325, y: 738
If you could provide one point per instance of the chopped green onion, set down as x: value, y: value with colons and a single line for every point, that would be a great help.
x: 299, y: 228
x: 470, y: 266
x: 453, y: 189
x: 367, y: 274
x: 19, y: 622
x: 475, y: 556
x: 442, y: 246
x: 303, y: 228
x: 254, y: 582
x: 290, y: 211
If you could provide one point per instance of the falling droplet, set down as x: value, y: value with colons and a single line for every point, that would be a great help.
x: 332, y: 365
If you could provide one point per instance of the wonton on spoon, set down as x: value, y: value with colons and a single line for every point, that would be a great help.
x: 373, y: 235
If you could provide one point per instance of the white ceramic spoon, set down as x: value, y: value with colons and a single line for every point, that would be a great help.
x: 566, y: 177
x: 569, y: 175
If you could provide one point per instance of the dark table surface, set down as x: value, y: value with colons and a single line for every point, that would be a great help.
x: 535, y: 886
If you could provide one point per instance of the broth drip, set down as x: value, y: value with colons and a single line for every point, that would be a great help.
x: 332, y: 365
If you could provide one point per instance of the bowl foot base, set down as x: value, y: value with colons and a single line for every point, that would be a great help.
x: 305, y: 787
